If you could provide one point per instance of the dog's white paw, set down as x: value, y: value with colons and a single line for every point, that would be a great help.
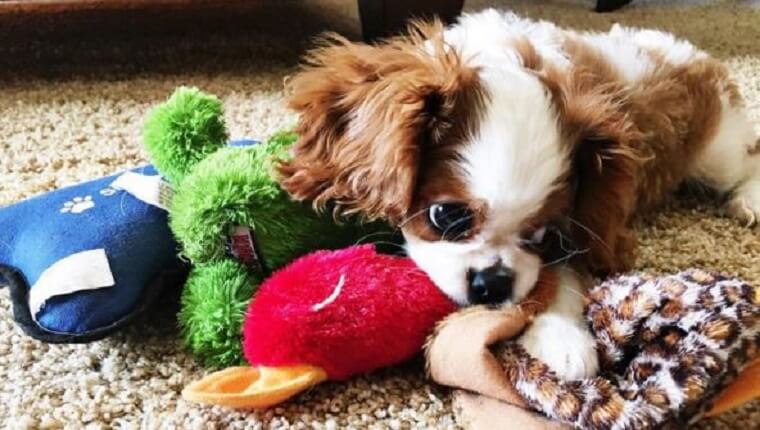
x: 563, y: 344
x: 745, y: 205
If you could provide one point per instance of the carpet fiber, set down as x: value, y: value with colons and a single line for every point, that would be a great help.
x: 72, y: 110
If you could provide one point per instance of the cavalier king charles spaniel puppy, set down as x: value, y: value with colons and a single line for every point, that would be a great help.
x: 501, y: 146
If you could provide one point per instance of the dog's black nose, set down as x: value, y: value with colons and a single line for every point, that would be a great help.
x: 490, y: 286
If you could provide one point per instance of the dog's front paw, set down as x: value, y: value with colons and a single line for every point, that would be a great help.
x: 563, y: 344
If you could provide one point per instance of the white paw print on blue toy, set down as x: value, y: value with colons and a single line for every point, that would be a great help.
x: 108, y: 191
x: 78, y: 205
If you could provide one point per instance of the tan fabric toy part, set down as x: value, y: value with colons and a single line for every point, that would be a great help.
x: 459, y: 356
x: 671, y: 346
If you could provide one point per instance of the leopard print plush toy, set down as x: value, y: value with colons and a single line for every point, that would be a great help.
x: 666, y: 345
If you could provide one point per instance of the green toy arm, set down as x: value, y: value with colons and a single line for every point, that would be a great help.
x: 183, y: 131
x: 214, y: 302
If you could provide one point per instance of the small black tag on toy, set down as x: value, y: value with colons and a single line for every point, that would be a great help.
x: 243, y: 247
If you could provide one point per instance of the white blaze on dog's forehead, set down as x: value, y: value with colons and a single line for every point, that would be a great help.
x: 516, y: 155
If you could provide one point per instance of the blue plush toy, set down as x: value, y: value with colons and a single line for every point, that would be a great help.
x: 82, y: 261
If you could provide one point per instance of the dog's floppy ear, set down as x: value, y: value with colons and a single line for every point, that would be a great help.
x: 367, y: 112
x: 604, y: 202
x: 603, y: 141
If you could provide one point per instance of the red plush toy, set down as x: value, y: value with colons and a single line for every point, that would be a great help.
x: 328, y: 315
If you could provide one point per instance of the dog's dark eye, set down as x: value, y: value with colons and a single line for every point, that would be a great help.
x: 538, y: 235
x: 550, y: 243
x: 452, y: 220
x: 536, y: 239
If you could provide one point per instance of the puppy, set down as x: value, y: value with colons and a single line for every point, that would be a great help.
x: 501, y: 145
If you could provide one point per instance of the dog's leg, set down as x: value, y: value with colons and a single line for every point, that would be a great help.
x: 745, y: 204
x: 731, y: 164
x: 560, y: 336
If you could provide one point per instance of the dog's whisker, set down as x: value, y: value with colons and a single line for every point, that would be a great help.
x: 377, y: 233
x: 460, y: 236
x: 566, y: 257
x: 411, y: 217
x: 454, y: 224
x: 564, y: 240
x: 529, y: 302
x: 588, y: 230
x: 572, y: 290
x: 393, y: 244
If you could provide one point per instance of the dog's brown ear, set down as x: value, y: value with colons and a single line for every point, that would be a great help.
x: 604, y: 202
x: 603, y: 140
x: 366, y: 113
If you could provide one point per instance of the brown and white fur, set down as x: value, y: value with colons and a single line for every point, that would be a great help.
x: 520, y: 124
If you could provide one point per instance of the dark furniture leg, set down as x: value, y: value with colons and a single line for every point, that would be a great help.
x: 610, y: 5
x: 384, y: 17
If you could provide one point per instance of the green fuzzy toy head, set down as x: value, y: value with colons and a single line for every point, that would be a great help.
x: 183, y: 131
x: 218, y: 188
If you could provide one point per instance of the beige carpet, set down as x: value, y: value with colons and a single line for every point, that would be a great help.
x: 72, y: 110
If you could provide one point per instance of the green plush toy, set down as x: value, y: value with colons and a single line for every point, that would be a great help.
x: 230, y: 217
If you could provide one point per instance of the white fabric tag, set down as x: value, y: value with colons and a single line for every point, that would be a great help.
x: 152, y: 189
x: 86, y: 270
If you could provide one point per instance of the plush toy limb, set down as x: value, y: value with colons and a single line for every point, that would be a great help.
x: 213, y: 308
x: 253, y: 387
x: 458, y: 353
x: 479, y: 412
x: 745, y: 388
x: 183, y: 131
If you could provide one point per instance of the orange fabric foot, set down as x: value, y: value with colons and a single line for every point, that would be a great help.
x: 745, y: 388
x: 253, y: 387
